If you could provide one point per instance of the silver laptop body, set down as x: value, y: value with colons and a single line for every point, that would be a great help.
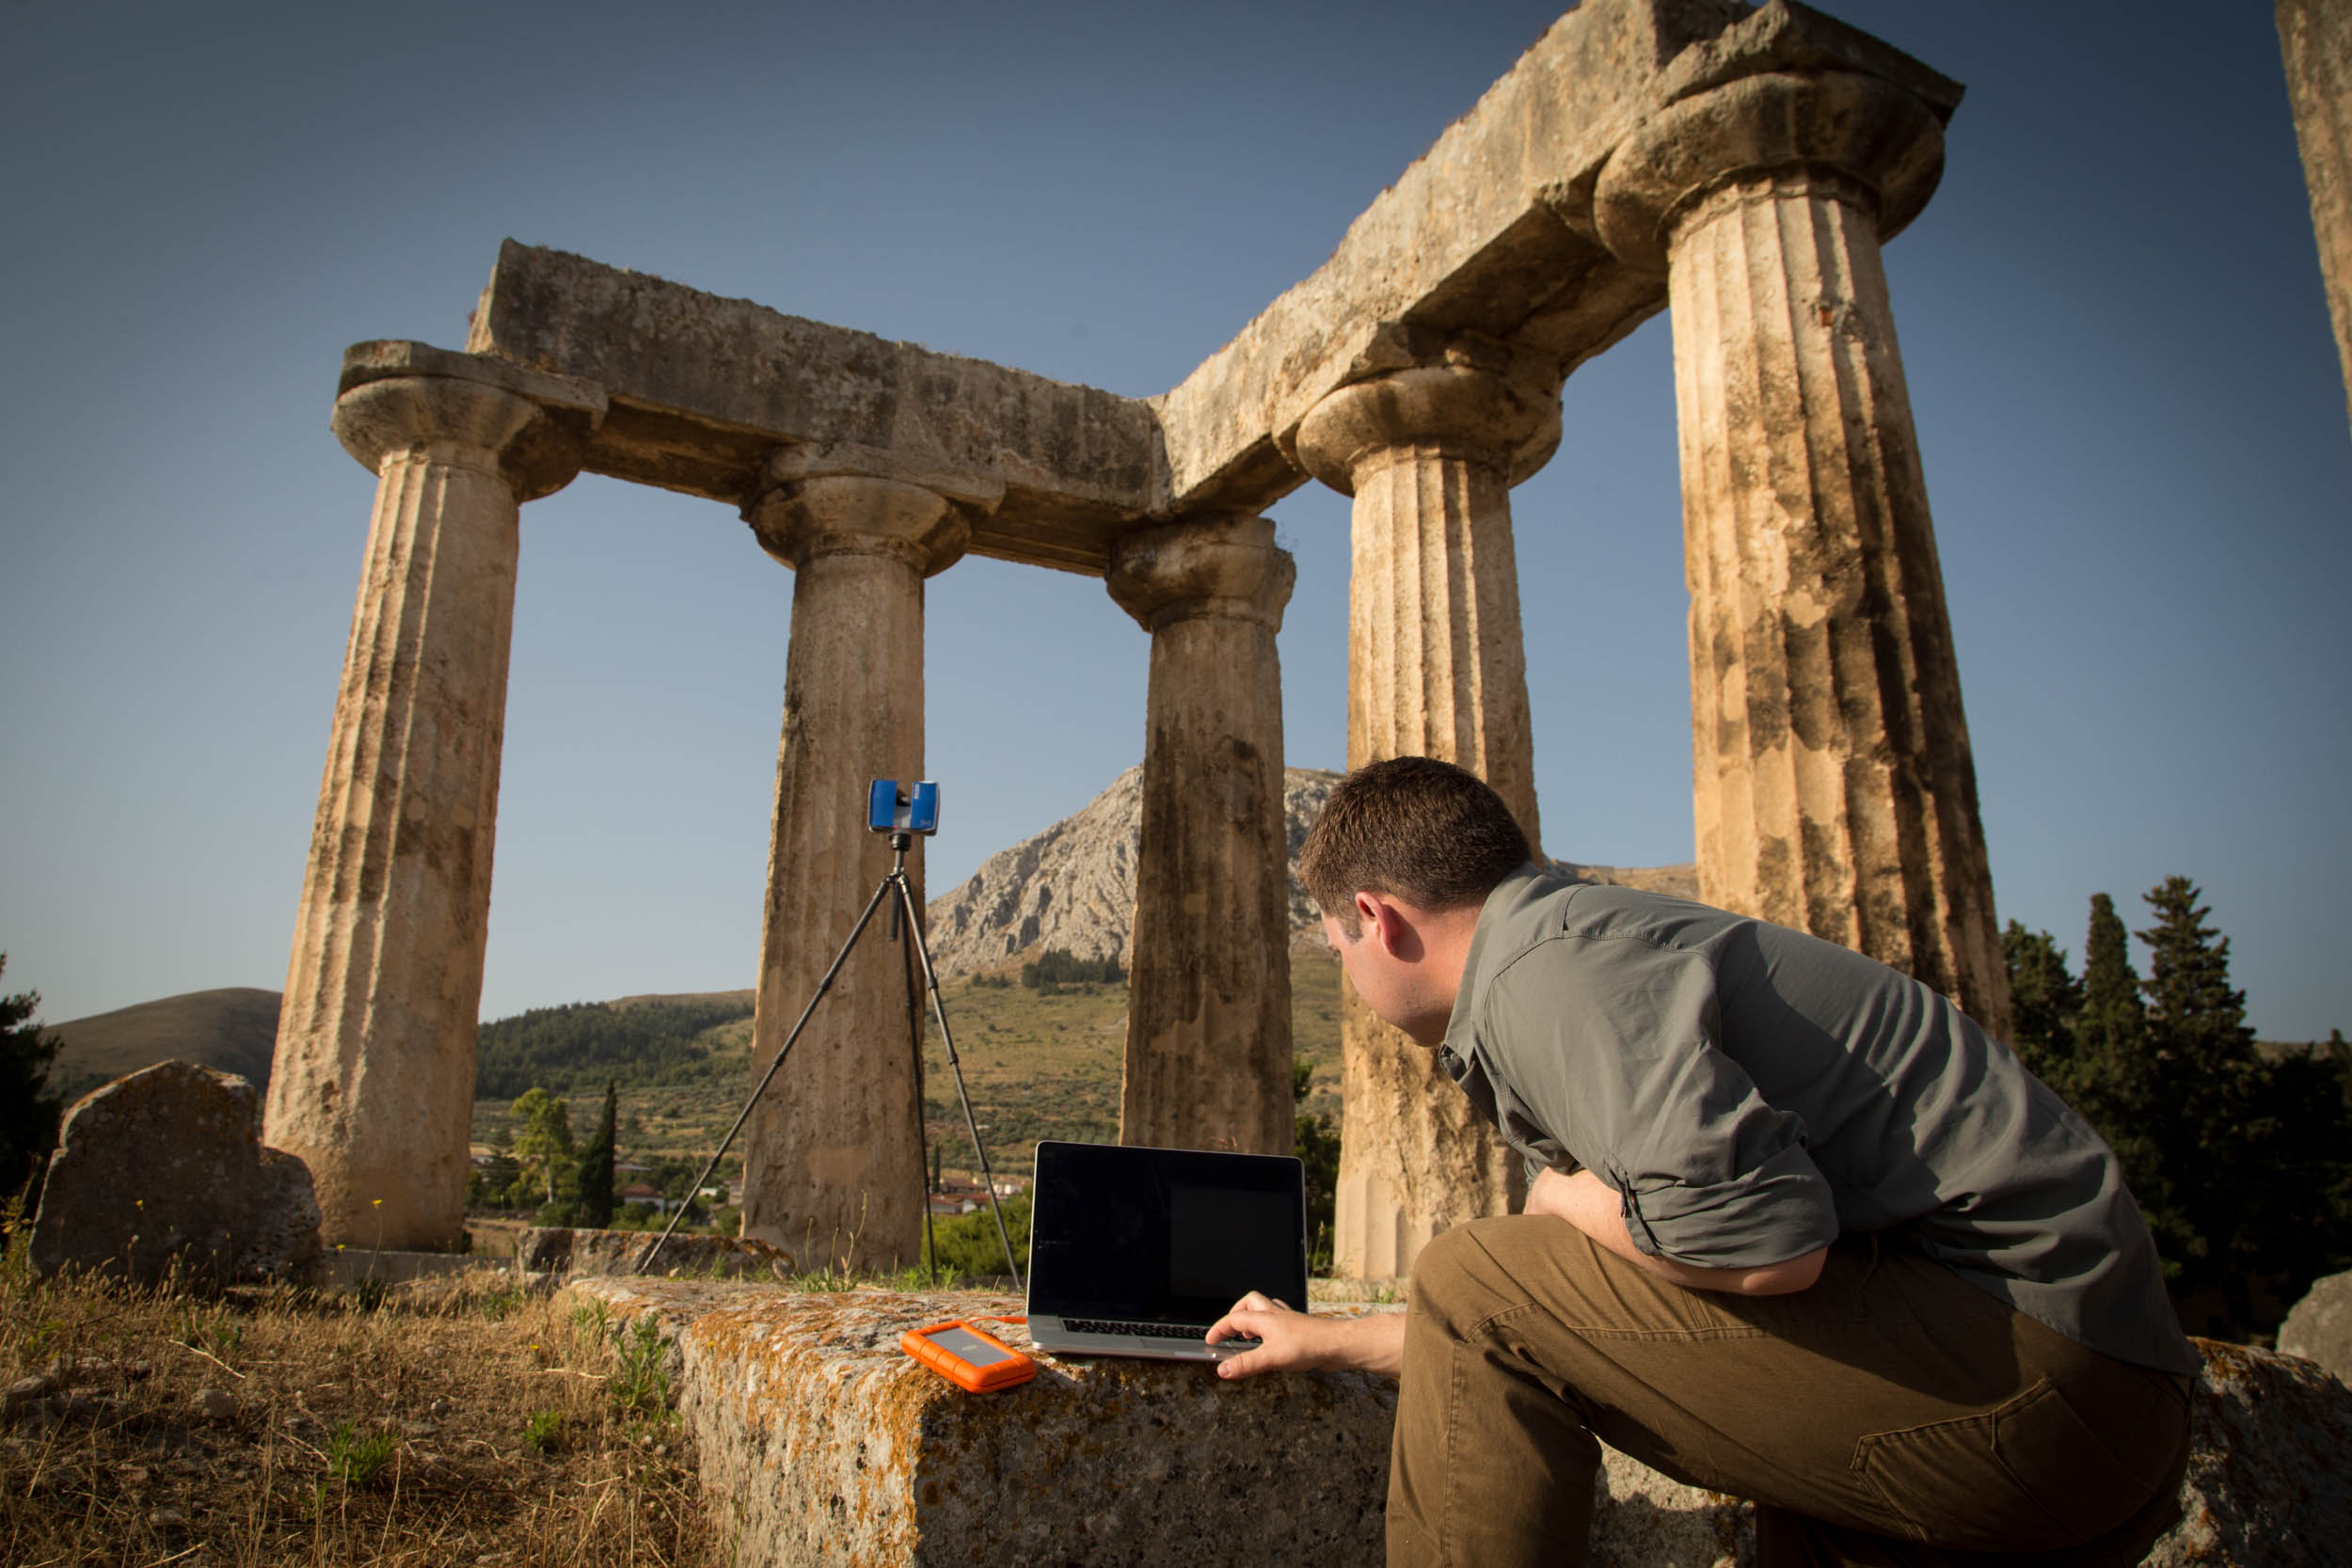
x: 1136, y: 1251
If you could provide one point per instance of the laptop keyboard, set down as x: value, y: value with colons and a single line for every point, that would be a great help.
x: 1148, y: 1331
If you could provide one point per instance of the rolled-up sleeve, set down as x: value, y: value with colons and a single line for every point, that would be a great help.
x: 1612, y: 1044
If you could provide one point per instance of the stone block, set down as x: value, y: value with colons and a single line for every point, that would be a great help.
x: 2320, y: 1328
x: 821, y: 1441
x: 166, y: 1167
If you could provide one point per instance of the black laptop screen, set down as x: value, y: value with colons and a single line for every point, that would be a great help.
x: 1163, y: 1235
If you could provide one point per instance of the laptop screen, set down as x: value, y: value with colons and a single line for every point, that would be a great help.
x: 1163, y: 1235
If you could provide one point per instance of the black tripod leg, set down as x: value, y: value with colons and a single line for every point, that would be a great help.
x: 939, y: 1015
x: 922, y: 1130
x: 823, y: 986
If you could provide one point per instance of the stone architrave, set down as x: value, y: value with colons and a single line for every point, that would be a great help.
x: 1208, y: 1062
x: 1435, y: 668
x: 372, y: 1085
x: 832, y: 1158
x: 162, y: 1171
x: 1835, y: 789
x: 2316, y: 43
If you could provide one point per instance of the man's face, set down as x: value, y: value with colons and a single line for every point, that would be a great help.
x: 1384, y: 983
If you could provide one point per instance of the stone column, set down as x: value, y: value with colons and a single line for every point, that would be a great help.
x: 2315, y: 42
x: 1435, y: 668
x: 1835, y: 789
x: 372, y: 1080
x: 1209, y: 1015
x: 831, y: 1155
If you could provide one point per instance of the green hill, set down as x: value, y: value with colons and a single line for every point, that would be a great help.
x: 233, y: 1030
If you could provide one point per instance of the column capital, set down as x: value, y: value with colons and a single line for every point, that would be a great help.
x: 1474, y: 399
x: 1883, y: 146
x: 1199, y: 568
x: 469, y: 410
x: 801, y: 519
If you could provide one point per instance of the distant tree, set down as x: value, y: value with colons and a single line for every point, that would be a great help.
x: 1057, y: 967
x: 2203, y: 1090
x: 28, y: 1115
x: 595, y: 1165
x: 2111, y: 1019
x: 543, y: 1143
x: 2109, y: 1079
x: 1316, y: 1143
x: 2046, y: 1001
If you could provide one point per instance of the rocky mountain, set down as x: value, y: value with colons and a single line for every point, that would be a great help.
x: 1073, y: 885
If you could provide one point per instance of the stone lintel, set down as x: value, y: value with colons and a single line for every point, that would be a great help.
x: 705, y: 390
x: 390, y: 359
x: 1489, y: 233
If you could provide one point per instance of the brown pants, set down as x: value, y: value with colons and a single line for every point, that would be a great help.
x: 1893, y: 1414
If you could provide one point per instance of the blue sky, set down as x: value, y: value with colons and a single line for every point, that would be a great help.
x: 2132, y: 422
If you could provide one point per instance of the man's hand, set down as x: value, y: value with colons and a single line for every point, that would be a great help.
x: 1297, y: 1343
x: 1592, y: 1206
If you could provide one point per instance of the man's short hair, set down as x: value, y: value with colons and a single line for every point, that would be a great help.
x: 1414, y: 828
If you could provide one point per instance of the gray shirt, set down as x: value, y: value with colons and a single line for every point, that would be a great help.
x: 1752, y: 1092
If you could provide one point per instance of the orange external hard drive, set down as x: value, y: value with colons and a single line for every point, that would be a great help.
x: 968, y: 1357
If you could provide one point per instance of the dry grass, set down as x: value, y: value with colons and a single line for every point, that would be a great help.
x: 455, y: 1421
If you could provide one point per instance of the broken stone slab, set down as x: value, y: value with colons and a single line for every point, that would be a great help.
x: 2320, y: 1328
x: 165, y: 1170
x: 580, y: 1251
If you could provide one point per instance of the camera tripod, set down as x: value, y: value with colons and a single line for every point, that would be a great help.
x: 905, y: 922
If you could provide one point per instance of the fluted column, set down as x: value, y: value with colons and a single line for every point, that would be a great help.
x: 1835, y: 789
x: 830, y: 1156
x: 1435, y: 668
x: 372, y: 1080
x: 2316, y: 45
x: 1208, y: 1061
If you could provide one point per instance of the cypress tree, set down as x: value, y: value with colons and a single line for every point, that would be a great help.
x: 2112, y: 1080
x: 595, y: 1165
x: 2207, y: 1091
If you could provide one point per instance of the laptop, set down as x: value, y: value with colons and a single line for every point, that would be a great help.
x: 1136, y: 1251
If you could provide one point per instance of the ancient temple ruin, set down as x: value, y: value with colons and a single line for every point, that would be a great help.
x: 1737, y: 168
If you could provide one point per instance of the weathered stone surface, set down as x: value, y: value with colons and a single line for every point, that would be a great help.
x: 831, y: 1154
x: 2267, y: 1486
x: 1437, y: 666
x: 581, y: 1252
x: 1835, y: 791
x: 2320, y: 1328
x: 371, y: 1083
x: 822, y: 1442
x: 2316, y: 41
x: 164, y: 1169
x: 1208, y: 1062
x: 704, y: 390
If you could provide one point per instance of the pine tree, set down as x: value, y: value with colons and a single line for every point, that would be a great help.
x: 595, y: 1165
x: 28, y: 1118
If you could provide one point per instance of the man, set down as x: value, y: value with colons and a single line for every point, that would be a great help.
x: 1799, y: 1231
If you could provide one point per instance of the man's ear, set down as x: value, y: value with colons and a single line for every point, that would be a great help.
x: 1381, y: 920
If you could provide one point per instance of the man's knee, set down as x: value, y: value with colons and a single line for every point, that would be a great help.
x: 1480, y: 1267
